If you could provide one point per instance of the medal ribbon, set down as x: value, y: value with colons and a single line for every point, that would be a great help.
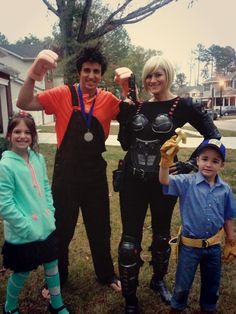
x: 87, y: 118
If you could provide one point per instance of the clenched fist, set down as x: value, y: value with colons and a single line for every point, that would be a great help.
x: 46, y: 60
x: 122, y: 78
x: 229, y: 251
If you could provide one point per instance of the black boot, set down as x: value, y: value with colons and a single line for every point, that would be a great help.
x: 159, y: 285
x: 129, y: 265
x: 160, y: 251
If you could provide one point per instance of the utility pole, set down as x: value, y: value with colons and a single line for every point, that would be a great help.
x: 221, y: 83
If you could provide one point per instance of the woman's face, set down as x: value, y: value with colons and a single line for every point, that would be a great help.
x: 156, y: 82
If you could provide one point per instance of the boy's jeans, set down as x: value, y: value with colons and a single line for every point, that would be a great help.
x: 210, y: 268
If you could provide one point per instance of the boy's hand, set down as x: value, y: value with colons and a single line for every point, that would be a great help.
x: 46, y: 60
x: 229, y: 251
x: 168, y: 159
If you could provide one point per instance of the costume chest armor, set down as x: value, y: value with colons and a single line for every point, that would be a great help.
x: 147, y: 138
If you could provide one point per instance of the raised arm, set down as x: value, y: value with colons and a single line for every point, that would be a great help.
x: 122, y: 76
x: 27, y: 100
x: 168, y: 151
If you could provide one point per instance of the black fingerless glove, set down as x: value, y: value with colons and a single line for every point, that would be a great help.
x: 186, y: 166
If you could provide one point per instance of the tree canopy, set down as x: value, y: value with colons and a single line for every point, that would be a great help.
x: 215, y: 59
x: 3, y: 39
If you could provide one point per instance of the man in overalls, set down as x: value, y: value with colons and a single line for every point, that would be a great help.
x: 83, y: 115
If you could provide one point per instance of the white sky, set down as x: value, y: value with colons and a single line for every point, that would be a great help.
x: 175, y: 29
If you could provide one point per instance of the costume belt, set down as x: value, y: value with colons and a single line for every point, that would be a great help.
x: 203, y: 243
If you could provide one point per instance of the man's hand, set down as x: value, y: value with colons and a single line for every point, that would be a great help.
x: 46, y: 60
x: 122, y: 78
x: 229, y: 251
x: 168, y: 159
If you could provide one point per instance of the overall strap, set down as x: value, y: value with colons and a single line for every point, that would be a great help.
x: 74, y: 96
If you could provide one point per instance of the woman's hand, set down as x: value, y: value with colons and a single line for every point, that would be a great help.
x: 183, y: 167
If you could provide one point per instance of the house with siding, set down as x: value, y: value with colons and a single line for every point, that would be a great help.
x: 220, y: 91
x: 217, y: 92
x: 15, y: 61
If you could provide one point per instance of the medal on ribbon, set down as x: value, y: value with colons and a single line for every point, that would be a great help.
x: 88, y: 136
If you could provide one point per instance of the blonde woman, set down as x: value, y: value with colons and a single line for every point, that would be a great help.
x: 144, y: 127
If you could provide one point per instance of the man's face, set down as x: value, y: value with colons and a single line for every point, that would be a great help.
x: 90, y: 76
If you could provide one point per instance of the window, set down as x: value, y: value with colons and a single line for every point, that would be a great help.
x: 206, y: 87
x: 228, y: 84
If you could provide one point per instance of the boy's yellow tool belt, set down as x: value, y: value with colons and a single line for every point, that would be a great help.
x: 203, y: 243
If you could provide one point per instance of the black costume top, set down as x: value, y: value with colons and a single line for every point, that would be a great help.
x: 144, y: 128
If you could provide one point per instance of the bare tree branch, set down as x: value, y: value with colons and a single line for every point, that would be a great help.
x: 120, y: 9
x: 50, y: 7
x: 84, y: 19
x: 131, y: 18
x: 71, y: 12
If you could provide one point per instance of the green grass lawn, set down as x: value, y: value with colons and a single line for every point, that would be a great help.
x: 84, y: 294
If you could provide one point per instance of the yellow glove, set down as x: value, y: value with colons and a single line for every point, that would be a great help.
x: 46, y: 60
x: 168, y: 159
x: 229, y: 251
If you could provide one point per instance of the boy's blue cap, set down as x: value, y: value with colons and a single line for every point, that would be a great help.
x: 215, y: 144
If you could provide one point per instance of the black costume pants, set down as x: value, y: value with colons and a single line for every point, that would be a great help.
x: 136, y: 196
x: 93, y: 199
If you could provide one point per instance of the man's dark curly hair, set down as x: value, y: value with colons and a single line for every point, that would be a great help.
x: 91, y: 54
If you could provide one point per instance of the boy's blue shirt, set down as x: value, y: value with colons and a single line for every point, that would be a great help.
x: 203, y: 208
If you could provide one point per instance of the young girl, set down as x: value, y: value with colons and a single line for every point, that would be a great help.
x: 26, y: 207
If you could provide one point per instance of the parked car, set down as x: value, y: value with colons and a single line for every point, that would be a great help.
x: 228, y: 111
x: 214, y: 114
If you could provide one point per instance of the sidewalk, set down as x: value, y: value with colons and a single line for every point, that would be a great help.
x: 192, y: 142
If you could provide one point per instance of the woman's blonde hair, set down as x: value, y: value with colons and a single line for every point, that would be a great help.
x: 153, y: 64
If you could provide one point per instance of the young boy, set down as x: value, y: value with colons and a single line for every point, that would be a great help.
x: 207, y: 206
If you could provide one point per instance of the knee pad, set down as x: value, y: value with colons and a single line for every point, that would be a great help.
x: 129, y: 250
